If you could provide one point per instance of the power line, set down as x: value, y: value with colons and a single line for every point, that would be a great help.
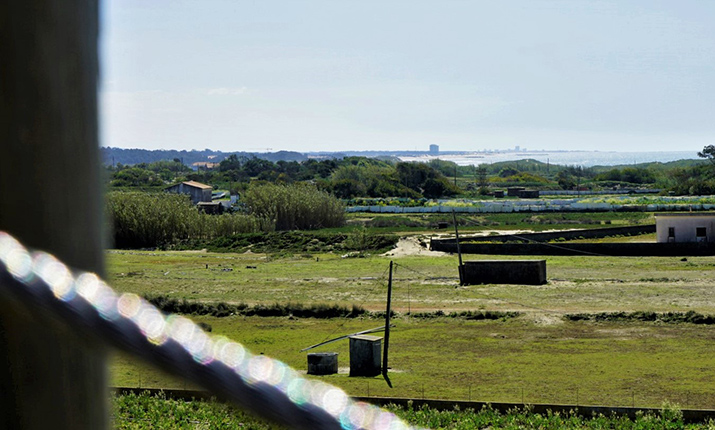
x: 345, y: 318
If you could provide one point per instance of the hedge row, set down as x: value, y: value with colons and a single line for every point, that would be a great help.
x: 664, y: 317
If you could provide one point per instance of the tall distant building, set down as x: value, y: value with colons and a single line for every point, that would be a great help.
x: 434, y: 149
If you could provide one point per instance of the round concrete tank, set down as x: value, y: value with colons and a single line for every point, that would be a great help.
x: 322, y: 363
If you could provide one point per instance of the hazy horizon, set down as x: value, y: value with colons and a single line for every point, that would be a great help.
x: 319, y: 75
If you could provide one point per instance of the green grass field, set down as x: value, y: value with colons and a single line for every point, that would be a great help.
x: 529, y: 359
x: 535, y: 358
x: 576, y: 284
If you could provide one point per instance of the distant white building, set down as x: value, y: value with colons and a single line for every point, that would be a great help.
x: 434, y: 149
x: 685, y: 227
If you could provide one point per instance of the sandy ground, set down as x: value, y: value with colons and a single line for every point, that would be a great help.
x: 411, y: 246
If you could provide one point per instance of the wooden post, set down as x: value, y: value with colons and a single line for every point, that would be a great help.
x: 459, y: 250
x: 387, y: 328
x: 50, y: 376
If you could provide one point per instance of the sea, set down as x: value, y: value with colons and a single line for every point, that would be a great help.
x: 564, y: 158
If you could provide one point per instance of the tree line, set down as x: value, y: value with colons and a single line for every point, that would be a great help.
x: 355, y: 177
x: 344, y: 178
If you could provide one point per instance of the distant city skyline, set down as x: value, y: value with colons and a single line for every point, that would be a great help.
x: 310, y: 76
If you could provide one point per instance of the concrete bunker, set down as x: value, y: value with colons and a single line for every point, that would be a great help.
x: 529, y: 272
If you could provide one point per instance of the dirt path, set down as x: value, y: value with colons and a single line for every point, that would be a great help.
x: 411, y: 245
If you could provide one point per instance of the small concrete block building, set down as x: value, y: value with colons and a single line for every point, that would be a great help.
x: 528, y: 194
x: 213, y: 208
x: 199, y: 192
x: 514, y: 191
x: 685, y: 227
x: 365, y: 355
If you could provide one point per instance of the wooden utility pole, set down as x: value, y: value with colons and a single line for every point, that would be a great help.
x: 387, y: 328
x: 50, y: 199
x: 459, y: 250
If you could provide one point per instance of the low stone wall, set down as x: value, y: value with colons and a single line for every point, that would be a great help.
x: 591, y: 233
x: 594, y: 249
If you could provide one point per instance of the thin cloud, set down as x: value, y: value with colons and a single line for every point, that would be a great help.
x: 227, y: 91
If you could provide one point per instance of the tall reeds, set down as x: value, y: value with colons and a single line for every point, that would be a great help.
x: 150, y: 220
x: 295, y: 206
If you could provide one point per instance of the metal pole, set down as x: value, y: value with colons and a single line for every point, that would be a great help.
x: 409, y: 308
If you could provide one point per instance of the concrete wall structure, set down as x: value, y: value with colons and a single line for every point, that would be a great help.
x: 685, y: 227
x: 323, y: 363
x: 365, y: 355
x: 590, y: 233
x: 526, y: 272
x: 514, y: 191
x: 593, y: 249
x: 528, y: 194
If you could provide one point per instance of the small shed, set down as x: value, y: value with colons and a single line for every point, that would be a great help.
x: 213, y: 208
x: 529, y: 194
x: 365, y: 355
x: 685, y: 227
x: 514, y: 191
x: 199, y: 192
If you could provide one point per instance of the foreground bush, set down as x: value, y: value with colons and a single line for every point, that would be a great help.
x: 664, y: 317
x: 294, y: 207
x: 146, y: 412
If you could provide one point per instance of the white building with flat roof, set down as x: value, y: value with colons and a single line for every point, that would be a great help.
x: 685, y: 227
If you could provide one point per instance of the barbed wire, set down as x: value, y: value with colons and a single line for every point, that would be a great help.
x: 267, y: 387
x: 426, y: 275
x: 369, y: 295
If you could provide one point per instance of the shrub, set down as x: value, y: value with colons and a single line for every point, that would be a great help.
x: 294, y: 207
x: 223, y: 309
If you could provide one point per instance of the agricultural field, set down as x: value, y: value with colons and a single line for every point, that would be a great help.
x: 542, y: 354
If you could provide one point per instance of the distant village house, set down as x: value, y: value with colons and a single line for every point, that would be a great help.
x: 685, y: 227
x: 204, y: 165
x: 199, y: 192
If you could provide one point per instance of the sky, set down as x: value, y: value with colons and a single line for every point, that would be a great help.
x: 467, y: 75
